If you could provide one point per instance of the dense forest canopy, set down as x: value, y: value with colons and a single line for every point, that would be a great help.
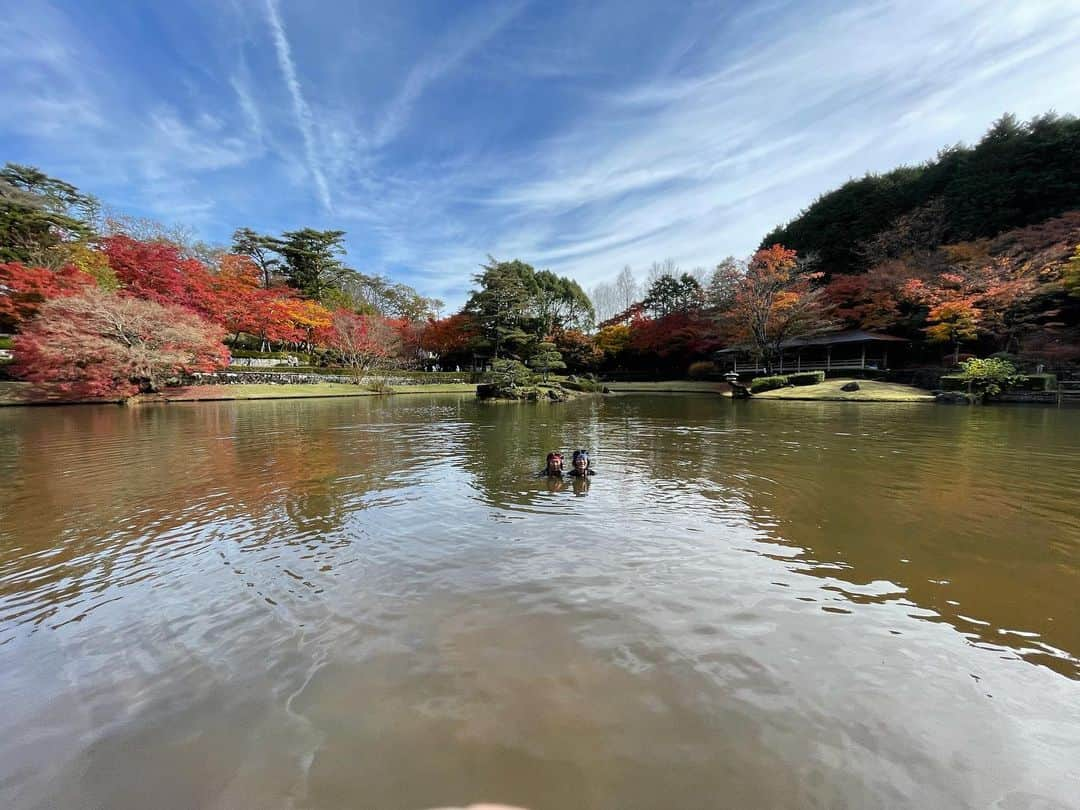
x: 1018, y: 174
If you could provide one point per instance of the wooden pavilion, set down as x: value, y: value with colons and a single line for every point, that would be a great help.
x: 835, y: 351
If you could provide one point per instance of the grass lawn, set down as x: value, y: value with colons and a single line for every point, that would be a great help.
x: 16, y: 393
x: 267, y: 391
x: 670, y: 386
x: 869, y: 391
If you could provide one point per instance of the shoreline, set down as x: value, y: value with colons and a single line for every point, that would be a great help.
x: 830, y: 391
x: 15, y: 394
x: 10, y: 393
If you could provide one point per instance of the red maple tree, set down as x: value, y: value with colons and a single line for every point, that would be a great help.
x: 96, y: 343
x: 24, y: 289
x: 157, y: 271
x: 360, y: 342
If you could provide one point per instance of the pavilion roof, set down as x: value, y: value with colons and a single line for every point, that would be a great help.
x: 830, y: 339
x: 850, y: 336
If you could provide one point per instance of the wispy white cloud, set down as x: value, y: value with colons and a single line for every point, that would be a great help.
x: 449, y: 54
x: 45, y: 89
x: 304, y: 119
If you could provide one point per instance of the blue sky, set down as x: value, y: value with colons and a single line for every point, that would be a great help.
x: 576, y: 136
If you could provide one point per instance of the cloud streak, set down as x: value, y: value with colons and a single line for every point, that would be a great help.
x: 304, y: 119
x: 454, y: 49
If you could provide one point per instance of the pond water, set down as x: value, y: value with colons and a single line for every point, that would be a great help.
x: 375, y: 603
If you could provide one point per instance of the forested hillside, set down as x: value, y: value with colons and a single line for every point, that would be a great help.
x: 1018, y: 174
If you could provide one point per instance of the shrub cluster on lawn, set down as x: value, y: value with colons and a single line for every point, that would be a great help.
x: 760, y: 384
x: 993, y: 376
x: 806, y: 378
x: 702, y: 369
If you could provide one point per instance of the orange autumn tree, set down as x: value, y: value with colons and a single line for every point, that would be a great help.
x: 775, y: 301
x: 235, y: 290
x: 310, y: 319
x: 450, y: 338
x: 984, y: 296
x: 952, y: 317
x: 613, y: 341
x: 1071, y: 275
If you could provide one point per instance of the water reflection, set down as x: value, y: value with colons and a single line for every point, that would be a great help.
x: 377, y: 602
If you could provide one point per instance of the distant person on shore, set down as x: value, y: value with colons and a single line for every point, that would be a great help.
x: 554, y: 466
x: 582, y: 464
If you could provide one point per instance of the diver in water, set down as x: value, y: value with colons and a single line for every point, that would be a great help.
x: 582, y: 464
x: 553, y: 467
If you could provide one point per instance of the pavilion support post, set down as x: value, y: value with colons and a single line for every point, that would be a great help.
x: 798, y: 360
x: 863, y: 356
x: 828, y: 357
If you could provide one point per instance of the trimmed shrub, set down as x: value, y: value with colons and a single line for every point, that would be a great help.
x: 509, y: 373
x: 806, y: 378
x: 379, y: 386
x: 251, y: 355
x: 1022, y: 382
x: 990, y: 377
x: 586, y: 386
x: 6, y: 342
x: 1036, y: 382
x: 857, y: 373
x: 759, y: 384
x: 701, y: 370
x: 928, y: 378
x: 394, y: 374
x: 434, y: 376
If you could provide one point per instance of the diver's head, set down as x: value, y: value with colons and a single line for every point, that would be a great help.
x: 554, y: 463
x: 581, y: 461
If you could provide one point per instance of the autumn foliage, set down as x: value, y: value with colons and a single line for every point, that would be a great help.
x: 156, y: 271
x: 95, y: 344
x: 450, y: 337
x: 777, y: 300
x: 23, y: 290
x: 361, y: 343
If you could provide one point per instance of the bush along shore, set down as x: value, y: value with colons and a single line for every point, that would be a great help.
x: 512, y: 381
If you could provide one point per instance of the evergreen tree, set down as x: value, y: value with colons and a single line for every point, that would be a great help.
x: 501, y: 305
x: 263, y: 250
x: 546, y: 358
x: 38, y: 214
x: 669, y: 294
x: 311, y: 261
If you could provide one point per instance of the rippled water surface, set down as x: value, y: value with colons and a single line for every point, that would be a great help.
x: 375, y: 603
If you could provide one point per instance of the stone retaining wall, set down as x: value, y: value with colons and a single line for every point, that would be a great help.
x: 293, y: 378
x: 265, y: 362
x: 1050, y: 397
x: 265, y: 378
